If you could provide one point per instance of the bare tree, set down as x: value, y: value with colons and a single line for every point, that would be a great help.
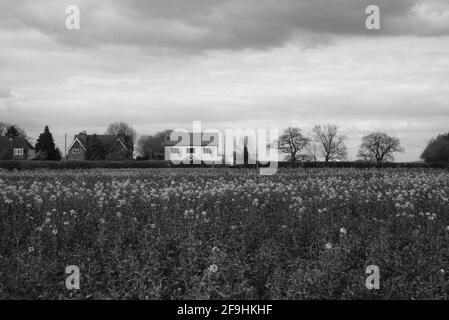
x: 379, y: 147
x: 312, y: 151
x: 331, y: 145
x: 122, y: 128
x: 292, y: 142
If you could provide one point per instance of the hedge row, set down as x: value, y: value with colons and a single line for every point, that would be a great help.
x: 27, y: 165
x: 366, y: 164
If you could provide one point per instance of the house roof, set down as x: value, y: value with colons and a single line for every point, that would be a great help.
x: 193, y: 139
x: 8, y: 142
x: 107, y: 140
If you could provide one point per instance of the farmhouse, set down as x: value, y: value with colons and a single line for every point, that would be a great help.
x: 116, y: 147
x: 16, y: 148
x: 193, y: 147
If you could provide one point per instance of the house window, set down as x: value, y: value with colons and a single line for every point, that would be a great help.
x: 18, y: 151
x: 191, y: 150
x: 207, y: 150
x: 76, y: 151
x: 175, y: 150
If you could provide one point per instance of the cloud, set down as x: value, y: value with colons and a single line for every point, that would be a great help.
x: 198, y: 25
x: 5, y: 93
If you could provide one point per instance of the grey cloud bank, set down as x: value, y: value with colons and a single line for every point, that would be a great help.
x: 223, y: 24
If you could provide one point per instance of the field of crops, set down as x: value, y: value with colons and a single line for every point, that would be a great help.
x: 224, y: 233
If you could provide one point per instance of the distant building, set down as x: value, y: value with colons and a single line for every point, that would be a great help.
x: 16, y: 148
x: 117, y: 147
x: 193, y: 147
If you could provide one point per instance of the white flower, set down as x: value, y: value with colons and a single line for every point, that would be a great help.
x: 215, y: 249
x: 328, y: 246
x: 343, y: 231
x: 213, y: 268
x: 55, y: 231
x: 31, y: 249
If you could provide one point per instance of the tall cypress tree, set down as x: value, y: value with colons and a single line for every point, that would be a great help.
x: 45, y: 146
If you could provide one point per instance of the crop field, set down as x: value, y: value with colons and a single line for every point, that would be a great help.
x: 224, y: 233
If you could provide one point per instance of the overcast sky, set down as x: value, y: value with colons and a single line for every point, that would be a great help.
x: 161, y: 64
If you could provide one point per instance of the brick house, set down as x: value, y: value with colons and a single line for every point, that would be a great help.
x: 16, y: 148
x: 117, y: 147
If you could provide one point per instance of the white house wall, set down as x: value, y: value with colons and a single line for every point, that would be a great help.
x: 198, y: 153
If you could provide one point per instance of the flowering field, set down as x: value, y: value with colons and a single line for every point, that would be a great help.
x: 224, y: 233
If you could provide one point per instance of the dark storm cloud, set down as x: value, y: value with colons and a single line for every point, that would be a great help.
x: 223, y: 24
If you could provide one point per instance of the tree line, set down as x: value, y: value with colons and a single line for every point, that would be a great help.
x: 327, y: 144
x: 324, y: 143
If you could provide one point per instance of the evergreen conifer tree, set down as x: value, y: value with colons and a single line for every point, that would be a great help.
x: 45, y: 146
